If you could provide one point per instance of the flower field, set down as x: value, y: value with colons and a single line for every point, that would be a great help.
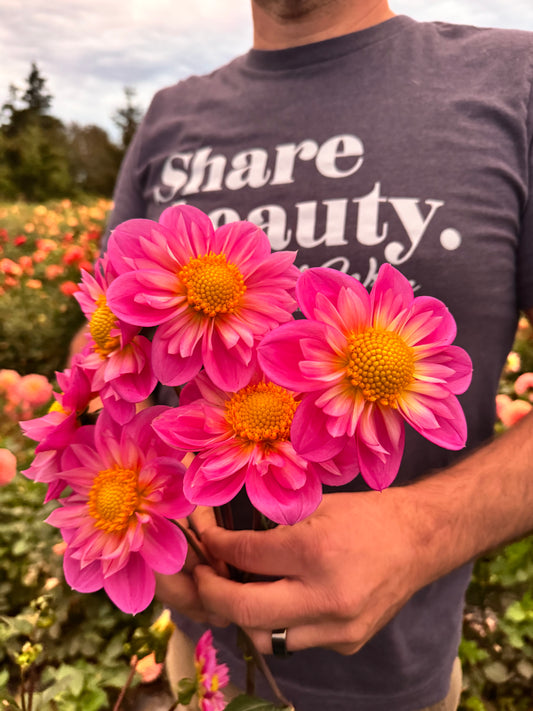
x: 71, y: 651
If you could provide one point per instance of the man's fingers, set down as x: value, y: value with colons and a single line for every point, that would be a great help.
x: 201, y: 518
x: 268, y: 605
x: 179, y: 593
x: 274, y: 552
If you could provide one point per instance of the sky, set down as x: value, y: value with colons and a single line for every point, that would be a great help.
x: 90, y: 50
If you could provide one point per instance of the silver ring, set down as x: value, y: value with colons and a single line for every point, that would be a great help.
x: 279, y: 643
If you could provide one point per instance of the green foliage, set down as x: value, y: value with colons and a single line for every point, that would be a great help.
x: 497, y: 643
x: 42, y: 159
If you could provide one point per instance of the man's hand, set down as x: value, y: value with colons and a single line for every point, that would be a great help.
x: 344, y: 572
x: 347, y: 569
x: 179, y: 591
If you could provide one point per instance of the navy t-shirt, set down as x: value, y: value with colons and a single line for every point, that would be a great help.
x: 407, y: 143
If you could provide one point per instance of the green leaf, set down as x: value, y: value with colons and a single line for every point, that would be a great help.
x: 243, y: 702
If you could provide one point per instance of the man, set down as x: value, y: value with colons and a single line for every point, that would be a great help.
x: 359, y: 137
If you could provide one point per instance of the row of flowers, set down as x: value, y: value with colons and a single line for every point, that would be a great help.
x: 49, y: 245
x: 268, y: 402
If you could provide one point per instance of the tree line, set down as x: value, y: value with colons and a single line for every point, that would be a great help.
x: 41, y: 158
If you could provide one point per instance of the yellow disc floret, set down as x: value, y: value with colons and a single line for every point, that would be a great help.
x: 214, y: 285
x: 261, y: 412
x: 380, y: 364
x: 114, y: 499
x: 57, y: 407
x: 102, y: 323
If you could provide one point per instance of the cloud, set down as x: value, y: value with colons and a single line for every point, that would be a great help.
x: 90, y: 50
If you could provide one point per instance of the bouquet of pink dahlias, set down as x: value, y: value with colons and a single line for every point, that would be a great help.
x: 274, y: 405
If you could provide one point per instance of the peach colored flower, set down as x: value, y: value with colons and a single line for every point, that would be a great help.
x: 46, y: 245
x: 34, y: 284
x: 8, y: 266
x: 53, y: 271
x: 8, y: 380
x: 148, y: 669
x: 502, y: 403
x: 524, y: 383
x: 59, y: 548
x: 34, y: 389
x: 26, y: 264
x: 8, y: 466
x: 514, y: 412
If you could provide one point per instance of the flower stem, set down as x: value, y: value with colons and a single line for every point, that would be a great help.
x: 127, y: 685
x: 263, y: 668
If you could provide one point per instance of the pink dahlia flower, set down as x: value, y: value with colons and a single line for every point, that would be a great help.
x: 126, y: 485
x: 119, y: 358
x: 212, y: 293
x: 57, y: 429
x: 210, y: 676
x: 368, y: 363
x: 242, y: 439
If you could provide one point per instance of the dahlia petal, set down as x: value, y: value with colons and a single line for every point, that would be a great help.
x: 456, y: 360
x: 447, y: 427
x: 340, y: 469
x: 132, y: 588
x: 226, y: 367
x: 164, y: 548
x: 390, y: 296
x: 380, y: 465
x: 129, y: 300
x: 87, y: 579
x: 276, y: 269
x: 211, y: 492
x: 192, y: 231
x: 280, y: 353
x: 125, y: 246
x: 242, y: 242
x: 328, y: 283
x: 121, y: 410
x: 309, y: 433
x: 173, y: 369
x: 284, y: 506
x: 429, y: 323
x: 184, y: 427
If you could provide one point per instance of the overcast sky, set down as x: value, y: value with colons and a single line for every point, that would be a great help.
x: 89, y: 50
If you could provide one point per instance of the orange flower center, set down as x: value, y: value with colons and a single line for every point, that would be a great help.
x: 261, y: 412
x: 380, y: 364
x: 102, y: 322
x: 113, y: 499
x: 214, y: 285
